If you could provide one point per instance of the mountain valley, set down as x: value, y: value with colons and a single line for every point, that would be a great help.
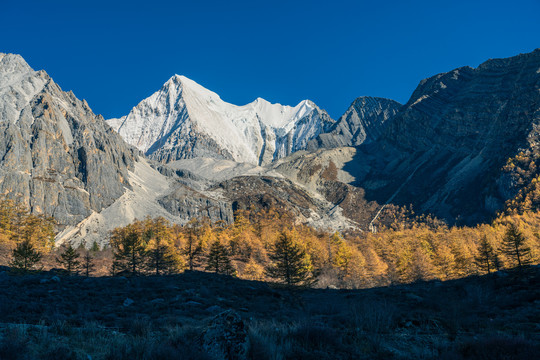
x: 443, y: 152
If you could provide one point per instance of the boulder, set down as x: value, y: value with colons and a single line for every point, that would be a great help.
x: 226, y: 337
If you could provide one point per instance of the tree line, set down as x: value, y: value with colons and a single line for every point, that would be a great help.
x: 269, y: 246
x: 154, y: 246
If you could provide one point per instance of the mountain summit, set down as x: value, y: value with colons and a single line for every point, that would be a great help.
x: 185, y: 120
x: 56, y: 156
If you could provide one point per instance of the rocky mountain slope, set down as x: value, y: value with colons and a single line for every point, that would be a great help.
x: 445, y: 149
x: 364, y: 121
x: 56, y: 156
x: 185, y: 120
x: 444, y: 152
x: 61, y: 160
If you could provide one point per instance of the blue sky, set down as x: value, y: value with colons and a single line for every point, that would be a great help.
x: 115, y: 53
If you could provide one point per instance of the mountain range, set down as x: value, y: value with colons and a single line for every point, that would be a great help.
x: 183, y: 152
x: 184, y: 120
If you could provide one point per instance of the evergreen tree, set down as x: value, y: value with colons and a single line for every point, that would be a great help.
x: 25, y: 256
x: 87, y: 264
x: 193, y: 248
x: 444, y: 261
x: 514, y: 246
x: 69, y: 259
x: 421, y: 267
x: 161, y: 258
x: 37, y: 229
x: 334, y: 242
x: 161, y: 254
x: 218, y: 259
x: 95, y: 247
x: 129, y: 249
x: 291, y: 264
x: 485, y: 260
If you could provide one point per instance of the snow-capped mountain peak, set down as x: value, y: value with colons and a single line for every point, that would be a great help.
x: 185, y: 120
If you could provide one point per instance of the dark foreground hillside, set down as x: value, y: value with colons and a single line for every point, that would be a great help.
x: 204, y: 316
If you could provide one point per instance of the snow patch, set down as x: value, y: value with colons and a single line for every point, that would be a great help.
x: 252, y: 133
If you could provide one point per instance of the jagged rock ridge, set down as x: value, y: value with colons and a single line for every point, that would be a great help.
x: 364, y: 121
x: 56, y: 156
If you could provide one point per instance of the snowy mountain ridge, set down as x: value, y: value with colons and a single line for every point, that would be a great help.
x: 185, y: 120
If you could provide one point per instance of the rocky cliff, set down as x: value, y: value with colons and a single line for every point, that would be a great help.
x: 445, y: 149
x: 364, y: 121
x: 56, y: 156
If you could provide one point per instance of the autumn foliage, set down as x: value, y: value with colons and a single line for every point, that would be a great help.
x: 24, y: 237
x: 269, y: 246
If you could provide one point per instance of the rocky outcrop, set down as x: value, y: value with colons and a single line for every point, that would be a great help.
x: 329, y: 173
x: 265, y: 192
x: 364, y: 121
x: 56, y: 156
x: 226, y: 337
x: 187, y: 203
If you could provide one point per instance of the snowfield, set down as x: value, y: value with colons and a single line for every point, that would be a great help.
x: 185, y: 120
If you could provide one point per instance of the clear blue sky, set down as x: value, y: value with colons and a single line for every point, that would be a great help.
x: 114, y: 54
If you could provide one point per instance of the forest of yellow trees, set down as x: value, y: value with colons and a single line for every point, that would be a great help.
x: 406, y: 250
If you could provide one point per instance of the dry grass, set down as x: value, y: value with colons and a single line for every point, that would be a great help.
x: 474, y: 318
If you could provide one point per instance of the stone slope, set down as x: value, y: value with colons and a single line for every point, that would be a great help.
x: 364, y: 121
x: 56, y: 156
x: 445, y: 149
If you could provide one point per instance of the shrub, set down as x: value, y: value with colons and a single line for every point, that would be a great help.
x: 493, y: 348
x: 14, y: 345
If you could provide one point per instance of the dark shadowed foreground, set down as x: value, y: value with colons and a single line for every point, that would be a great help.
x: 205, y: 316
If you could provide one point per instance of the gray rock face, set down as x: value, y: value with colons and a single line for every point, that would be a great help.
x: 444, y: 151
x: 187, y: 203
x: 364, y: 121
x: 56, y: 156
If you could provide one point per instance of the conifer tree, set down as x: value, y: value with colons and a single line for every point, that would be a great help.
x: 514, y: 246
x: 218, y: 259
x: 69, y: 258
x: 291, y: 265
x: 444, y: 261
x: 332, y: 247
x: 421, y: 267
x: 162, y: 257
x: 25, y: 256
x: 37, y: 229
x: 253, y: 271
x: 485, y: 260
x: 193, y: 248
x: 95, y: 247
x: 87, y: 264
x: 129, y: 249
